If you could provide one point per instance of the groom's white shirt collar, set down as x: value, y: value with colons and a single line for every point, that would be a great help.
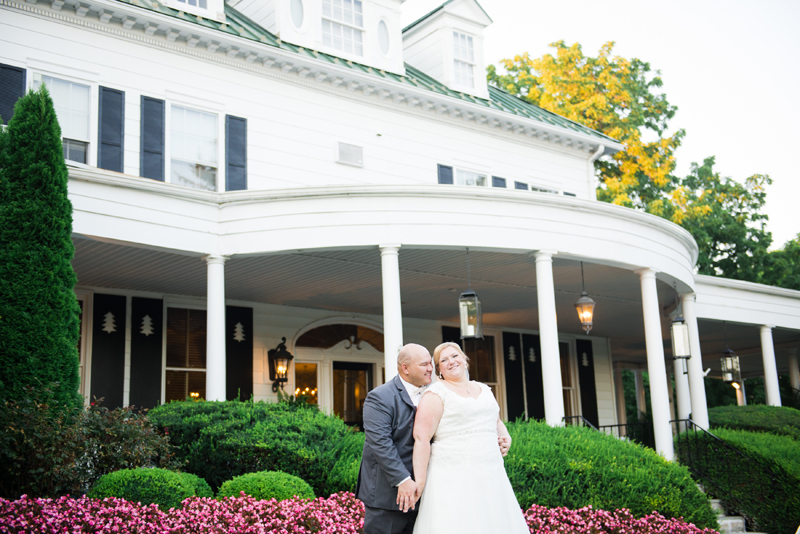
x: 414, y: 392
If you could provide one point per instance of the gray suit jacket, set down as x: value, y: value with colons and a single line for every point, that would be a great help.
x: 389, y: 444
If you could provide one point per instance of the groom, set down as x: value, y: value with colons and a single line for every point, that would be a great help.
x: 386, y: 478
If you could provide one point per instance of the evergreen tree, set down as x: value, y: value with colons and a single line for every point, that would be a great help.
x: 38, y: 309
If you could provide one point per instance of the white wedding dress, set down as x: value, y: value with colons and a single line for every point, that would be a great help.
x: 467, y: 490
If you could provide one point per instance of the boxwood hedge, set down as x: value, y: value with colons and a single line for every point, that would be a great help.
x: 267, y: 485
x: 576, y: 467
x: 165, y: 488
x: 757, y: 418
x: 221, y: 440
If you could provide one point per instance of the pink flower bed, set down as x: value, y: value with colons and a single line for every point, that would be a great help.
x: 587, y: 520
x: 341, y: 513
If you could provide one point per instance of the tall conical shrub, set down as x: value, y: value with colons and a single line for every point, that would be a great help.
x: 38, y: 308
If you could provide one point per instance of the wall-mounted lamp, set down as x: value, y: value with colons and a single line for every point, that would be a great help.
x: 278, y: 359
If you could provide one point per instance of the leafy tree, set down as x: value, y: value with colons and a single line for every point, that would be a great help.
x: 615, y: 96
x: 782, y: 266
x: 38, y: 309
x: 730, y: 229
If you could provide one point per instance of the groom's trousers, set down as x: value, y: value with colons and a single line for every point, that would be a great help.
x: 379, y: 521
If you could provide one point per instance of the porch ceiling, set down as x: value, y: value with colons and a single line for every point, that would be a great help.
x: 349, y: 281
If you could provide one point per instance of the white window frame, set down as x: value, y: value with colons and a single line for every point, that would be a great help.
x: 215, y: 9
x: 35, y: 82
x: 193, y: 106
x: 353, y: 26
x: 459, y: 59
x: 460, y: 171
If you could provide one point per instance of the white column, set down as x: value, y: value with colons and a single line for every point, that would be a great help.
x: 641, y: 400
x: 794, y: 369
x: 697, y: 387
x: 770, y: 367
x: 392, y: 310
x: 682, y: 389
x: 215, y: 328
x: 659, y: 398
x: 548, y: 337
x: 619, y: 390
x: 741, y: 398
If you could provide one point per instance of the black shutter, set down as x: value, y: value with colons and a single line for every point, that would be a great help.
x: 445, y: 174
x: 238, y: 353
x: 151, y: 164
x: 12, y: 88
x: 235, y: 153
x: 147, y: 330
x: 108, y: 349
x: 451, y: 334
x: 498, y: 182
x: 586, y: 381
x: 512, y: 362
x: 111, y: 129
x: 532, y: 356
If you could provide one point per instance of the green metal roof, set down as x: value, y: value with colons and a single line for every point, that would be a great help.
x: 240, y: 26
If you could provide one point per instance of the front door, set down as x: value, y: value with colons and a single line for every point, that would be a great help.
x: 351, y: 383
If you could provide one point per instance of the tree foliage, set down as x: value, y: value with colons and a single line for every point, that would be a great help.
x: 620, y: 98
x: 615, y: 96
x: 38, y: 308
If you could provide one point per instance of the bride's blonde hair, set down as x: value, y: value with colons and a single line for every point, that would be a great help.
x: 437, y: 352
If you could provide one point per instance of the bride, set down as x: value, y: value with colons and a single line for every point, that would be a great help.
x: 466, y: 489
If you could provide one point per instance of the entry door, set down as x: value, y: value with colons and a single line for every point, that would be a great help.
x: 351, y: 383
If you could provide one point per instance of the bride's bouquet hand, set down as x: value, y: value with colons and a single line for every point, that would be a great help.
x: 505, y: 443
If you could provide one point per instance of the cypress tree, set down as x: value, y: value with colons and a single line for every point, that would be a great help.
x: 39, y: 321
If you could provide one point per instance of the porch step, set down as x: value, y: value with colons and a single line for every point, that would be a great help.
x: 716, y: 505
x: 731, y: 523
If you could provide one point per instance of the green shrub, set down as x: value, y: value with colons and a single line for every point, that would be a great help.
x: 757, y: 418
x: 201, y: 487
x: 221, y: 440
x: 755, y: 486
x: 267, y: 485
x: 783, y: 450
x: 38, y: 308
x: 165, y: 488
x: 576, y: 467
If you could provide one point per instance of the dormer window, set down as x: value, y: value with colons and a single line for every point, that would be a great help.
x: 463, y: 60
x: 210, y: 9
x: 343, y: 25
x: 202, y: 4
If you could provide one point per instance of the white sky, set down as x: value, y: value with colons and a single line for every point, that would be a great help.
x: 732, y: 67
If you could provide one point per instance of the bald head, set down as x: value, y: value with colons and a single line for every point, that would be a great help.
x: 414, y: 364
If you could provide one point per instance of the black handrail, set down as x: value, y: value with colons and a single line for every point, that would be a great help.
x: 692, y: 452
x: 639, y: 432
x: 579, y: 419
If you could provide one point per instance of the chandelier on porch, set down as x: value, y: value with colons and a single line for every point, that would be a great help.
x: 729, y: 362
x: 278, y: 360
x: 585, y: 306
x: 469, y: 310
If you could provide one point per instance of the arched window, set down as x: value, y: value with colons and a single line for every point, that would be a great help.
x: 325, y: 337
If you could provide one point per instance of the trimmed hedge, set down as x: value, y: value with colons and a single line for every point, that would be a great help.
x: 783, y: 450
x: 267, y: 485
x: 757, y: 418
x: 756, y: 486
x: 221, y: 440
x: 576, y: 467
x: 162, y: 487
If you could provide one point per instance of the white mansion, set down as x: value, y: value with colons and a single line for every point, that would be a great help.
x: 244, y: 171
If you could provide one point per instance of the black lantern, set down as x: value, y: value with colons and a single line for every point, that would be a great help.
x: 585, y: 306
x: 278, y: 359
x: 680, y: 338
x: 469, y: 311
x: 730, y: 367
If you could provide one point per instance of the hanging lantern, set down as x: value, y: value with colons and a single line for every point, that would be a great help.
x: 730, y: 367
x: 278, y: 360
x: 469, y: 308
x: 585, y: 306
x: 680, y: 338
